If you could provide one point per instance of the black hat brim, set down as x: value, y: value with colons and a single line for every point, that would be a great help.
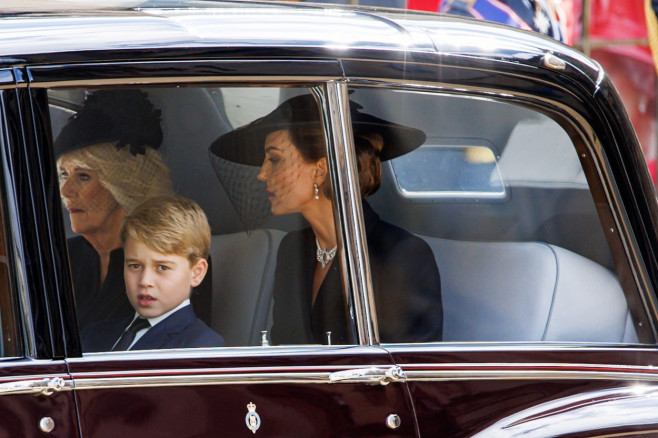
x: 245, y: 145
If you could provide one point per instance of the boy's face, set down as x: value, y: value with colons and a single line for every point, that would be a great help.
x: 157, y: 283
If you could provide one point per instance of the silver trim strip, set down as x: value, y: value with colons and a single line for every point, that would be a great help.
x: 512, y: 347
x: 173, y: 80
x: 452, y: 376
x: 323, y: 375
x: 209, y: 379
x: 535, y: 371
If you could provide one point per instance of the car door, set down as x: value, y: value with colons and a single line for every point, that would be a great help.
x: 273, y: 392
x: 543, y: 328
x: 36, y: 396
x: 249, y: 387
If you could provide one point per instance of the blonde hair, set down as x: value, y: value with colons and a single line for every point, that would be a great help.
x: 169, y: 225
x: 130, y: 178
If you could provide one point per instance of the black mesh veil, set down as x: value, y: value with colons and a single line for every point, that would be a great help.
x: 247, y: 194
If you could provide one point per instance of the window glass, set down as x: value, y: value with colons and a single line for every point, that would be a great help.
x: 9, y: 320
x: 9, y: 323
x: 497, y: 195
x: 272, y: 274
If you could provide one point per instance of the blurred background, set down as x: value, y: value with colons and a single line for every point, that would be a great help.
x: 613, y: 32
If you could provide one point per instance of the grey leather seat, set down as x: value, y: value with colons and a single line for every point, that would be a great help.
x: 527, y: 291
x: 242, y: 278
x: 491, y: 291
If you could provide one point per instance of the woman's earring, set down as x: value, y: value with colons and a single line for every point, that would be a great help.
x: 315, y: 187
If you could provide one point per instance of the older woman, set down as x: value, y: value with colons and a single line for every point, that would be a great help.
x: 107, y: 166
x: 308, y: 296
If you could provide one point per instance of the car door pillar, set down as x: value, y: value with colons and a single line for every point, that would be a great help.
x: 349, y: 208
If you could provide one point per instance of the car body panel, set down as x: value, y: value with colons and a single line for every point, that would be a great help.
x: 296, y: 393
x: 461, y: 390
x: 33, y: 392
x: 570, y: 415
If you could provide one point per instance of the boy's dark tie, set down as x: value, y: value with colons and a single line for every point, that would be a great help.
x: 129, y: 334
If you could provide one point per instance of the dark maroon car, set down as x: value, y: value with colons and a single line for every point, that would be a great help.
x: 529, y: 188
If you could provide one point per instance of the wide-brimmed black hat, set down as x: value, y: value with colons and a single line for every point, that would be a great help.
x: 124, y: 116
x: 244, y: 145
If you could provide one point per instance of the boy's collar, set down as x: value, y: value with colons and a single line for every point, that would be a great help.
x: 157, y: 319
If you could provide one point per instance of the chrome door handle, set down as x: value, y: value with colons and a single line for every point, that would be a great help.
x: 46, y: 386
x: 372, y: 375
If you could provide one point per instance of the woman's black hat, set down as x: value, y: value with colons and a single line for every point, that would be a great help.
x: 126, y: 116
x: 244, y: 145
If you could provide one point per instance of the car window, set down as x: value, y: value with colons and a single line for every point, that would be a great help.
x: 498, y: 196
x: 480, y: 221
x: 117, y: 149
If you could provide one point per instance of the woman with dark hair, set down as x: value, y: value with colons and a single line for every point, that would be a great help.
x: 308, y: 295
x: 108, y: 165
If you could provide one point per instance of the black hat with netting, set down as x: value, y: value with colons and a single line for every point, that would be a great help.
x: 237, y: 155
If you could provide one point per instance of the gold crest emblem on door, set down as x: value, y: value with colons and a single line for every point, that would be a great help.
x: 252, y: 420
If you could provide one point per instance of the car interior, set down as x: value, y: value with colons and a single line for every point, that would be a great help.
x: 497, y: 191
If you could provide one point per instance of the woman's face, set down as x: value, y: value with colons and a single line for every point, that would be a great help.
x: 92, y: 208
x: 289, y: 178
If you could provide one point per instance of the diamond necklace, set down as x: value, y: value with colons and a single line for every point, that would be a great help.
x: 324, y: 256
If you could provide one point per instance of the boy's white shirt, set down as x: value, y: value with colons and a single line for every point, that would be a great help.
x: 154, y: 321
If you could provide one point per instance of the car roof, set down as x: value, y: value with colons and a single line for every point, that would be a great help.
x: 31, y: 30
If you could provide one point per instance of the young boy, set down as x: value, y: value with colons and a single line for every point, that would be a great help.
x: 166, y: 241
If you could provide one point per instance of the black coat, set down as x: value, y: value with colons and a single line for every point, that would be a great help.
x: 181, y: 329
x: 406, y: 283
x: 93, y: 301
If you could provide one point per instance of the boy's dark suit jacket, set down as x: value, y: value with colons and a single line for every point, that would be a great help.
x: 181, y: 329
